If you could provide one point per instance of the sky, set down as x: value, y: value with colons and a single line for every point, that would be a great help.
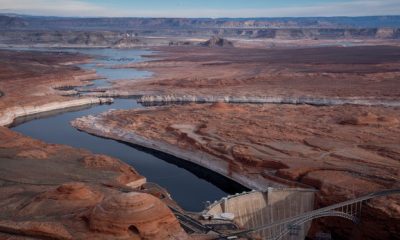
x: 202, y: 8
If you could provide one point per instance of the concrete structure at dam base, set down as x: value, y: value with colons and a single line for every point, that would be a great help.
x: 252, y: 210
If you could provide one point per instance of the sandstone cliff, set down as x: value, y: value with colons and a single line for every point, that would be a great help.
x: 53, y: 191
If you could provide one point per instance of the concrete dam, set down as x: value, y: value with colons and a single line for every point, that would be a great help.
x: 255, y: 209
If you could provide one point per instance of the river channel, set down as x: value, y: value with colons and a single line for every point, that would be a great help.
x: 189, y: 185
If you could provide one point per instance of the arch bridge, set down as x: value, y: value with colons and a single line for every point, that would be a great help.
x: 350, y: 210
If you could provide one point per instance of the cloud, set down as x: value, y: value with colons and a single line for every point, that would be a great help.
x: 80, y: 8
x: 350, y: 8
x: 52, y: 7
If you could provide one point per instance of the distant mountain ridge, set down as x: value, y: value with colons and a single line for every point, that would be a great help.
x: 133, y: 32
x: 11, y: 21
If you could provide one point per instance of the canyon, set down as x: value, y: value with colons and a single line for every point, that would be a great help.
x: 53, y: 191
x: 343, y: 142
x: 288, y: 103
x: 343, y: 151
x: 59, y: 192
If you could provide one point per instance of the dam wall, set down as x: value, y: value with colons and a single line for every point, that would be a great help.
x: 255, y: 209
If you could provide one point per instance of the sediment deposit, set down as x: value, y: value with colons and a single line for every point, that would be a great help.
x: 343, y: 151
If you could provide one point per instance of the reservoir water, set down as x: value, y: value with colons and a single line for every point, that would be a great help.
x: 189, y: 185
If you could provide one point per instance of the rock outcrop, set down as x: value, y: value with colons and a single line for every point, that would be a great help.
x: 137, y: 214
x: 216, y: 41
x: 165, y: 99
x: 343, y: 151
x: 49, y: 191
x: 53, y: 191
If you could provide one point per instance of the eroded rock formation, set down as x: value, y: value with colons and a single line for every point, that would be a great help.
x: 344, y: 151
x: 135, y: 213
x: 58, y: 192
x: 216, y: 41
x: 50, y: 191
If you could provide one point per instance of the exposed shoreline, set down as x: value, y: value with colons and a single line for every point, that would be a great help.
x: 274, y: 100
x: 9, y: 115
x: 90, y: 124
x: 314, y: 101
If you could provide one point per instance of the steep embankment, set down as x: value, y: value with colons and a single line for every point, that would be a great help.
x: 169, y: 99
x: 96, y: 125
x: 8, y: 115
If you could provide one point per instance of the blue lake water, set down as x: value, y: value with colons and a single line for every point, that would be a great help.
x: 190, y: 185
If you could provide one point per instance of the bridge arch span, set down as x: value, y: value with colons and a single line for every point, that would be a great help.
x: 350, y: 210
